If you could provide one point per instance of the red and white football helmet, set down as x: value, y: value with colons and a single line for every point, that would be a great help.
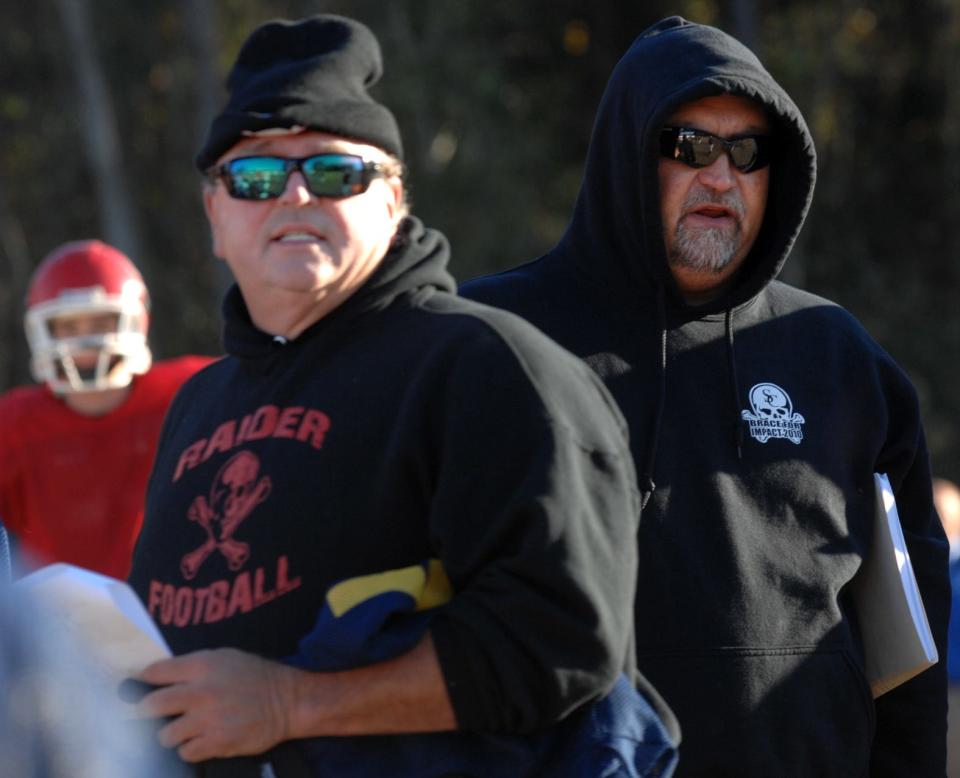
x: 87, y: 277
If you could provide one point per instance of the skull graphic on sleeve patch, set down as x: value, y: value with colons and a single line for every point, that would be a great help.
x: 772, y: 415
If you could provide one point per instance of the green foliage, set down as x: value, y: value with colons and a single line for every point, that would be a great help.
x: 496, y: 102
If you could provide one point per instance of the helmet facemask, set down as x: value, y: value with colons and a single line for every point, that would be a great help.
x: 89, y: 362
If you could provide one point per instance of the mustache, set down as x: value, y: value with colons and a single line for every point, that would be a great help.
x: 731, y: 200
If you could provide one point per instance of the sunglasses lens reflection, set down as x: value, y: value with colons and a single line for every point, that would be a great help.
x: 256, y: 178
x: 700, y: 149
x: 263, y: 178
x: 333, y: 175
x: 743, y: 153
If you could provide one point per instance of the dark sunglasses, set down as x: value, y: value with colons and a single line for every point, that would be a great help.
x: 697, y: 148
x: 327, y: 175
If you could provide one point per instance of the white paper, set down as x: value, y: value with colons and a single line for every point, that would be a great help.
x: 912, y: 592
x: 103, y: 613
x: 896, y: 636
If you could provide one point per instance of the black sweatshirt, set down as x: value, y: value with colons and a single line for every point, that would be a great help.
x: 757, y: 422
x: 408, y: 425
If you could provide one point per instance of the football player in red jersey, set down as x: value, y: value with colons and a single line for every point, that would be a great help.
x: 76, y: 451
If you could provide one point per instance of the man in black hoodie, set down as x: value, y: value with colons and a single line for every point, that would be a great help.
x: 388, y: 512
x: 758, y: 415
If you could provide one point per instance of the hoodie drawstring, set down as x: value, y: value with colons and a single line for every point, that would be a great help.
x: 734, y: 384
x: 647, y: 485
x: 646, y: 478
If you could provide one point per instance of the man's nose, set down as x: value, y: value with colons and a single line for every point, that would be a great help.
x: 719, y: 175
x: 296, y: 192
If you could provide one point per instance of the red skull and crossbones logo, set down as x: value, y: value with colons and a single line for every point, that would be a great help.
x: 236, y: 491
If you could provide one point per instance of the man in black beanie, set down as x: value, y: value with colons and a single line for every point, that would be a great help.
x: 387, y: 512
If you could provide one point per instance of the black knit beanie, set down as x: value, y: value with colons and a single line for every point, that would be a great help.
x: 312, y: 73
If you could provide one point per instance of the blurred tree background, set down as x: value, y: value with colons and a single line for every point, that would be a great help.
x: 104, y: 102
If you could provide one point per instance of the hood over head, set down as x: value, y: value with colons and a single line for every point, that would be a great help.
x: 616, y: 230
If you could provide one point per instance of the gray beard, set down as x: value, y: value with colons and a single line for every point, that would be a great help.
x: 705, y: 251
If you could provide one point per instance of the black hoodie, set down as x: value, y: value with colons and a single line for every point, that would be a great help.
x: 407, y: 431
x: 757, y: 422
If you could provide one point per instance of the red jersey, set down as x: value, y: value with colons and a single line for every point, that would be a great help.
x: 72, y: 487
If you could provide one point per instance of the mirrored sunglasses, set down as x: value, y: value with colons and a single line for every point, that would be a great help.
x: 326, y: 175
x: 697, y: 148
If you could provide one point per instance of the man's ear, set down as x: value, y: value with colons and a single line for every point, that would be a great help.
x: 395, y: 202
x: 210, y: 208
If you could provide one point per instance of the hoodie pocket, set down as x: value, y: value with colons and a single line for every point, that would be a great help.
x: 792, y: 712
